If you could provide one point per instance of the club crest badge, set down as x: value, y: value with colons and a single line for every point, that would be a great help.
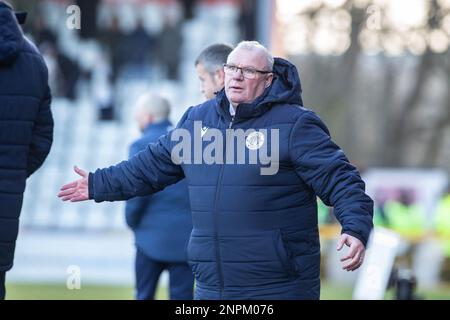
x: 255, y: 140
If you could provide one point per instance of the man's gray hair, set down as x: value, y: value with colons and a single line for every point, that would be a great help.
x: 213, y: 57
x: 255, y: 45
x: 155, y: 105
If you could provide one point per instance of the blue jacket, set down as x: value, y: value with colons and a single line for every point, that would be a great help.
x: 254, y: 236
x: 26, y: 125
x: 161, y: 222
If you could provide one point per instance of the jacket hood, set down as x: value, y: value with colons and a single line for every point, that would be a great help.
x: 285, y: 89
x: 11, y: 37
x: 286, y: 86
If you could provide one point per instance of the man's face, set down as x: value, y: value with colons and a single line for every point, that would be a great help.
x: 209, y: 83
x: 242, y: 90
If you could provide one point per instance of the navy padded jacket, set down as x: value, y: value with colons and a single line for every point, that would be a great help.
x: 26, y: 125
x: 254, y: 236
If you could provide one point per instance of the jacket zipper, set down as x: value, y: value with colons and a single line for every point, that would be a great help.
x: 216, y: 220
x: 231, y: 122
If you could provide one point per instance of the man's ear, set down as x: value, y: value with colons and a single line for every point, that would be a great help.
x: 269, y: 80
x: 219, y: 77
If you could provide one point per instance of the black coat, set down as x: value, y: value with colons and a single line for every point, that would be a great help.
x: 26, y: 125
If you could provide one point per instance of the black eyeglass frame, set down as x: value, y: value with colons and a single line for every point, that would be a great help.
x: 225, y: 65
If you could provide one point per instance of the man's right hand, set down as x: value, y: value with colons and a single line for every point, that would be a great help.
x: 77, y: 190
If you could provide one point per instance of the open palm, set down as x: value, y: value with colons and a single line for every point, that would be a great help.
x: 77, y: 190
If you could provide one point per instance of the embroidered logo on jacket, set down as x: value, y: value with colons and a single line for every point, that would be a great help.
x: 203, y: 131
x: 255, y: 140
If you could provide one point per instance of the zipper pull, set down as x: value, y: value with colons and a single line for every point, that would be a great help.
x: 231, y: 123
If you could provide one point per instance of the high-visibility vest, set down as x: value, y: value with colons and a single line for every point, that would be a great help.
x: 442, y: 223
x: 379, y: 219
x: 409, y: 220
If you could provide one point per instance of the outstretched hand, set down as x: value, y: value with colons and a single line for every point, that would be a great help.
x: 355, y: 252
x: 77, y: 190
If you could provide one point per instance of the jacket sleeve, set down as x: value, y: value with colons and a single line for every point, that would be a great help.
x: 134, y: 208
x: 149, y: 171
x: 42, y: 138
x: 323, y: 166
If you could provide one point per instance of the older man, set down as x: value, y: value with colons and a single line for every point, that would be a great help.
x: 255, y: 234
x: 162, y: 222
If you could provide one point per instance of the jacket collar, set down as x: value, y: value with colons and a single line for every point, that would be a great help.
x: 244, y: 110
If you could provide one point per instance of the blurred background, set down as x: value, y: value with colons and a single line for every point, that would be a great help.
x: 376, y: 71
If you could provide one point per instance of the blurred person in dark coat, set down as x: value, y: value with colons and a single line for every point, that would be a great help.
x: 26, y: 131
x: 140, y: 47
x: 161, y: 222
x: 41, y: 32
x: 169, y: 47
x: 113, y: 40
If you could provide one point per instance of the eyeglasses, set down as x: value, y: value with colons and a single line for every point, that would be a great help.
x: 247, y: 72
